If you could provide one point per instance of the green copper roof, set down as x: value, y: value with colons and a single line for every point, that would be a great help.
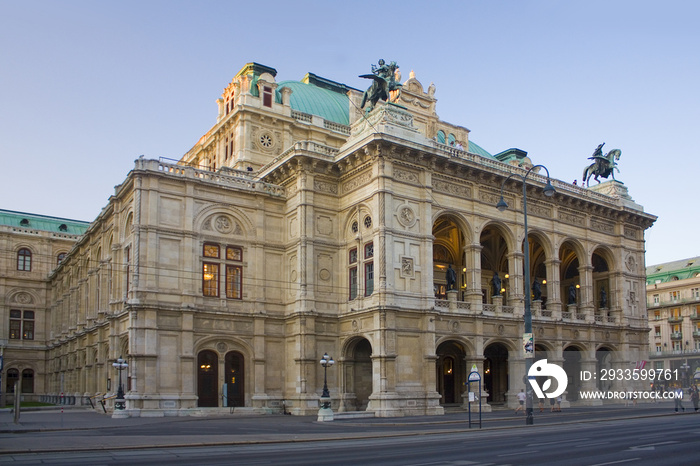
x: 671, y: 271
x: 43, y: 223
x: 474, y: 148
x: 315, y: 100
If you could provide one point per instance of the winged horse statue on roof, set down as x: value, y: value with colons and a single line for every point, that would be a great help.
x: 384, y: 80
x: 603, y: 165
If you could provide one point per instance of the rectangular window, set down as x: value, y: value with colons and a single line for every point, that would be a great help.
x: 353, y: 282
x: 369, y: 250
x: 127, y: 254
x: 234, y: 254
x: 657, y: 315
x: 267, y: 96
x: 211, y: 250
x: 674, y: 295
x: 353, y: 256
x: 233, y: 281
x: 369, y: 278
x: 657, y: 331
x: 695, y: 293
x: 28, y: 326
x: 15, y: 325
x: 656, y: 300
x: 210, y: 279
x: 24, y: 260
x: 676, y: 346
x: 21, y: 325
x: 658, y: 347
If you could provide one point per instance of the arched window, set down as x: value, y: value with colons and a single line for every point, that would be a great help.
x: 24, y: 260
x: 441, y: 137
x: 451, y: 139
x: 12, y: 377
x: 60, y: 258
x: 27, y: 381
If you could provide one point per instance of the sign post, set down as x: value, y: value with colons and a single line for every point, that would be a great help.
x: 475, y: 377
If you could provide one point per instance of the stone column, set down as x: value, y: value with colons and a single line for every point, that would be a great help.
x: 554, y: 301
x: 516, y: 281
x: 473, y: 266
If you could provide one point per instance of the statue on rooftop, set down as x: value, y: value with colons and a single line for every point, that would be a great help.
x: 603, y: 165
x: 384, y: 81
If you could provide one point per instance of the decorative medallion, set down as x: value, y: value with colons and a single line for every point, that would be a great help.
x: 223, y: 224
x: 631, y: 263
x: 355, y: 326
x: 501, y: 329
x: 540, y: 331
x: 406, y: 216
x: 455, y: 327
x: 221, y: 347
x: 576, y: 334
x: 265, y: 141
x: 368, y: 222
x: 324, y: 275
x: 23, y: 298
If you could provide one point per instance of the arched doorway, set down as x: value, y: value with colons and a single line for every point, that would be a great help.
x: 358, y: 375
x: 234, y: 379
x: 448, y: 247
x: 451, y: 370
x: 207, y: 379
x: 496, y: 372
x: 572, y: 367
x: 494, y: 260
x: 602, y: 291
x: 569, y: 280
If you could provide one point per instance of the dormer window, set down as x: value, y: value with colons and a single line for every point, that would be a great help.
x: 267, y: 96
x: 63, y: 227
x: 24, y: 222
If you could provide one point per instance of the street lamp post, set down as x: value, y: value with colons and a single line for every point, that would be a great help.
x: 325, y: 413
x: 529, y: 355
x: 120, y: 365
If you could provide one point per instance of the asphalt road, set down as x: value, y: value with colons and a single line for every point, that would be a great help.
x: 573, y: 439
x: 654, y: 441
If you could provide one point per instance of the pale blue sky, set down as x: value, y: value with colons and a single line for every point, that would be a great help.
x: 88, y: 86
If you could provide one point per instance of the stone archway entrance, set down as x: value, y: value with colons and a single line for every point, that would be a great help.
x: 234, y: 379
x: 451, y: 372
x: 496, y: 372
x: 207, y: 379
x: 357, y: 369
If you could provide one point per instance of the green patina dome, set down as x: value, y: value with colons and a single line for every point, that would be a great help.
x: 314, y: 100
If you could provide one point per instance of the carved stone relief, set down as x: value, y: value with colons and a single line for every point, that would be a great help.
x: 407, y: 270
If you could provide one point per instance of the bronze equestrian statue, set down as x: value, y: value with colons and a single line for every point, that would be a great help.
x: 603, y: 165
x: 384, y: 82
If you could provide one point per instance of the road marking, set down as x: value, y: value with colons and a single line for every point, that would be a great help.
x: 650, y: 446
x: 591, y: 444
x: 616, y: 462
x: 520, y: 453
x: 555, y: 443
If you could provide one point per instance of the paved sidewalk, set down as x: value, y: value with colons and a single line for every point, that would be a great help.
x: 72, y: 429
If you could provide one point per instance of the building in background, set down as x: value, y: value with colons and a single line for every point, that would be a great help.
x: 673, y: 304
x: 298, y: 225
x: 31, y: 247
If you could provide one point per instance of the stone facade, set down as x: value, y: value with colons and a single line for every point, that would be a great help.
x: 673, y: 303
x: 290, y: 230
